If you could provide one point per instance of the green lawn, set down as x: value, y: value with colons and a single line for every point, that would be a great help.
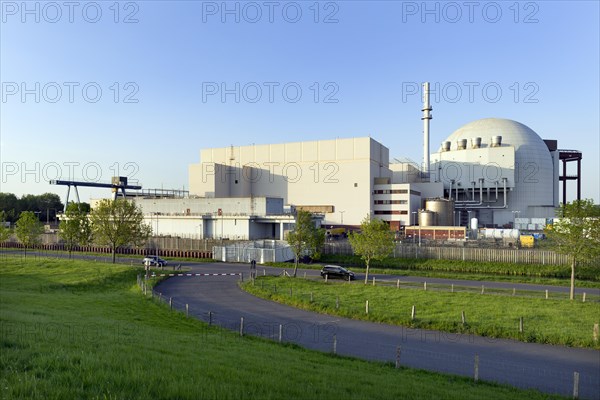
x: 545, y: 321
x: 557, y: 275
x: 80, y: 329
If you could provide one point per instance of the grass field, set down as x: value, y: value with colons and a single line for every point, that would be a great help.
x: 545, y: 321
x: 557, y: 275
x: 80, y: 329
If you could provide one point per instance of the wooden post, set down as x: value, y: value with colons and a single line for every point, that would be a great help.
x: 373, y: 281
x: 326, y: 277
x: 209, y: 318
x: 187, y: 310
x: 412, y: 313
x: 462, y: 317
x: 280, y: 332
x: 546, y: 294
x: 452, y: 288
x: 584, y: 297
x: 334, y: 343
x: 596, y: 332
x: 476, y: 372
x: 424, y: 285
x: 241, y: 326
x: 337, y: 302
x: 575, y: 385
x: 482, y: 289
x: 398, y: 352
x: 520, y: 324
x: 398, y: 284
x: 367, y: 307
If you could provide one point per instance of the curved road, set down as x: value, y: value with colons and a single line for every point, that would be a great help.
x: 527, y: 365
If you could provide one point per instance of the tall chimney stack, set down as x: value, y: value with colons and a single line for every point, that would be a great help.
x: 426, y: 117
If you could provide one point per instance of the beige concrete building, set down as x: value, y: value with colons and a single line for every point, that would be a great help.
x: 334, y: 177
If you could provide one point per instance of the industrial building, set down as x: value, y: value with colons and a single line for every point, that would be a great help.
x: 494, y: 173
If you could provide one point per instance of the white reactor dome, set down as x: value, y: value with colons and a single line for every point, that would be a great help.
x: 534, y: 167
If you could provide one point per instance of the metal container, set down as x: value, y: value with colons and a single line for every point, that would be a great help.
x: 474, y: 224
x: 427, y: 218
x: 444, y: 210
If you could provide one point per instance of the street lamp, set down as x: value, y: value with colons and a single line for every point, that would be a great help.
x: 414, y: 225
x: 515, y: 216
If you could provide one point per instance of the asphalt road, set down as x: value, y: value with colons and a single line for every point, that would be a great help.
x: 527, y: 365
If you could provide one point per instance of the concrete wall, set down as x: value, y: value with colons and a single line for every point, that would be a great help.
x: 336, y: 172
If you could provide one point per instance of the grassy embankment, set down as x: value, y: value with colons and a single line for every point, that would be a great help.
x: 559, y: 275
x: 81, y: 329
x: 545, y: 321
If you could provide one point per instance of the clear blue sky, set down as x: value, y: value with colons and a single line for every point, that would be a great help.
x: 172, y: 59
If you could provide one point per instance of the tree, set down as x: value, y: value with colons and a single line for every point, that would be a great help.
x: 117, y: 223
x: 576, y: 233
x: 305, y: 237
x: 374, y: 242
x: 28, y: 229
x: 4, y: 231
x: 75, y: 227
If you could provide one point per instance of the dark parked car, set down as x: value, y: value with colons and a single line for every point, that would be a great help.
x: 154, y: 261
x: 335, y: 271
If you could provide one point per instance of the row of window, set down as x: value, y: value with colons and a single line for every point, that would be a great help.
x: 391, y: 212
x: 396, y: 191
x: 390, y: 202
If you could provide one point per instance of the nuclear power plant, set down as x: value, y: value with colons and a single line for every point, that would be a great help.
x: 493, y: 172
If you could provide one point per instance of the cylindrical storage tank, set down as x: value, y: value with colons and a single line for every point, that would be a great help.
x: 462, y: 144
x: 444, y: 210
x: 474, y: 223
x: 426, y: 218
x: 496, y: 141
x: 476, y: 142
x: 446, y: 146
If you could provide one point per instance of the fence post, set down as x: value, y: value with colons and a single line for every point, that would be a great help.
x: 596, y: 333
x: 462, y: 316
x: 452, y: 288
x: 326, y: 276
x: 398, y: 352
x: 482, y: 289
x: 520, y: 324
x: 398, y: 284
x: 367, y: 307
x: 241, y: 326
x: 280, y: 332
x: 575, y: 385
x: 584, y: 297
x: 546, y: 294
x: 334, y: 343
x: 209, y: 318
x: 476, y: 374
x: 187, y: 310
x: 337, y: 303
x: 514, y: 290
x: 424, y: 285
x: 412, y: 313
